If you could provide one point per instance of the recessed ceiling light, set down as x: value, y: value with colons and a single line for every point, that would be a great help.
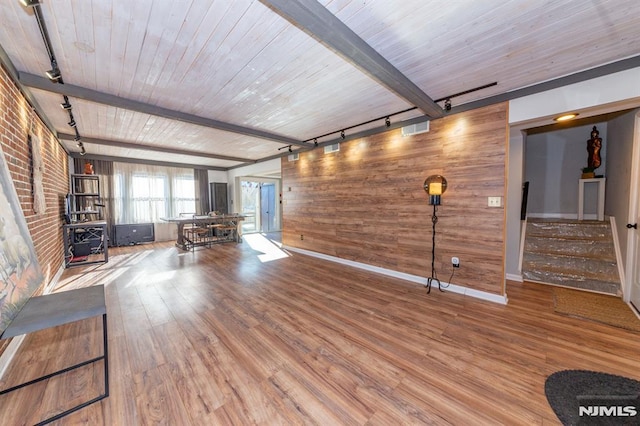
x: 566, y: 117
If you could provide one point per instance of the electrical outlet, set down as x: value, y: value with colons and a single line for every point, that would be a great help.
x: 495, y: 202
x: 455, y: 262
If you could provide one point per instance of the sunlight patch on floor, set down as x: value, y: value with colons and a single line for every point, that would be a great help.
x: 101, y: 273
x: 271, y: 250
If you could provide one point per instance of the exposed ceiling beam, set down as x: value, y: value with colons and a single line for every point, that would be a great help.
x: 90, y: 95
x: 128, y: 145
x: 314, y: 19
x: 142, y: 161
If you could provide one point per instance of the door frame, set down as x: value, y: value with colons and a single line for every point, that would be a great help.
x: 632, y: 270
x: 278, y: 190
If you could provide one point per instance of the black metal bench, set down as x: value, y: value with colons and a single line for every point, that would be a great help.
x: 56, y: 309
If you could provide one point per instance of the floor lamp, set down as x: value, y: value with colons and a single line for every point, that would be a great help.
x: 435, y: 186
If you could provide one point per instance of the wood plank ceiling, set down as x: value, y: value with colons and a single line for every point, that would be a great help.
x: 221, y: 83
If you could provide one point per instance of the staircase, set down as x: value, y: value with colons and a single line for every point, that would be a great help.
x: 571, y: 253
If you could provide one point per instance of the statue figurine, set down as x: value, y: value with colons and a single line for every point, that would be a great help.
x: 593, y: 148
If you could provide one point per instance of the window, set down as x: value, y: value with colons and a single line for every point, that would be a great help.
x: 144, y: 193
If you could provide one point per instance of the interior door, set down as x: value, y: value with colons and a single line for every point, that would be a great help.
x: 268, y: 207
x: 633, y: 248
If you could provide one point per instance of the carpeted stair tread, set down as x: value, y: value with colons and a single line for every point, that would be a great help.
x: 562, y: 247
x: 571, y: 263
x: 609, y: 288
x: 563, y: 275
x: 567, y: 272
x: 569, y: 230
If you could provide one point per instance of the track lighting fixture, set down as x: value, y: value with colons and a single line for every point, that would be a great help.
x: 30, y: 3
x: 447, y: 104
x: 82, y: 151
x: 65, y: 105
x: 290, y: 150
x: 77, y: 139
x: 72, y: 123
x: 54, y: 74
x: 386, y: 118
x: 80, y: 144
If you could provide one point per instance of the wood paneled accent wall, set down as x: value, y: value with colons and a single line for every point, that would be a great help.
x: 366, y: 203
x: 16, y: 118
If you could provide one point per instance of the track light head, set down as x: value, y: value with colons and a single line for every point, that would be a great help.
x: 447, y: 104
x: 82, y: 151
x: 290, y: 150
x: 65, y: 105
x: 342, y: 134
x: 77, y: 139
x: 30, y: 3
x: 54, y: 74
x: 72, y: 123
x: 315, y: 142
x: 387, y: 122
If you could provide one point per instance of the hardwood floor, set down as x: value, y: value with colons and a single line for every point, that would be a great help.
x: 217, y: 336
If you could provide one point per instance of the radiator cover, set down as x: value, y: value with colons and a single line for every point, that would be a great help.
x: 125, y: 235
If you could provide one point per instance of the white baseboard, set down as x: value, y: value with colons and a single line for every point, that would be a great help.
x: 453, y: 288
x: 13, y: 346
x: 9, y: 352
x: 52, y: 284
x: 515, y: 277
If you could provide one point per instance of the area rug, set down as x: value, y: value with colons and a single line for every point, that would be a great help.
x: 602, y: 308
x: 580, y: 397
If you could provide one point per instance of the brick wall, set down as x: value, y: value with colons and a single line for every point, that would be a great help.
x: 16, y: 117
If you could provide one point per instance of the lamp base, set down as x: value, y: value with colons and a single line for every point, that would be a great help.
x: 430, y: 280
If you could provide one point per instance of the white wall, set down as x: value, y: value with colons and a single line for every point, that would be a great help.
x: 620, y: 134
x: 553, y: 165
x: 513, y: 202
x: 217, y: 176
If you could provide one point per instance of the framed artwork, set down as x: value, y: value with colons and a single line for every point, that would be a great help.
x: 20, y: 274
